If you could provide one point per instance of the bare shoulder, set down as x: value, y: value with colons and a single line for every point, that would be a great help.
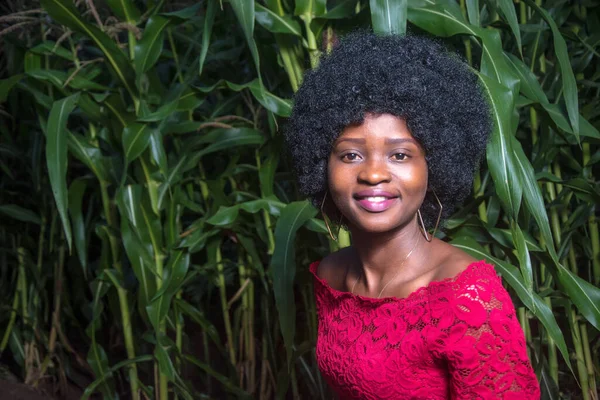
x: 334, y: 267
x: 452, y: 261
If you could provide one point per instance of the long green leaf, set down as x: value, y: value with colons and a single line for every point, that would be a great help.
x: 499, y: 151
x: 56, y: 157
x: 149, y: 48
x: 64, y: 12
x: 569, y: 85
x: 276, y: 23
x: 209, y: 19
x: 76, y: 192
x: 389, y: 16
x: 283, y: 267
x: 508, y: 10
x: 19, y: 213
x: 136, y: 137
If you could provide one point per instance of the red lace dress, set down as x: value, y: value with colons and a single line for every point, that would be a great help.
x: 458, y: 338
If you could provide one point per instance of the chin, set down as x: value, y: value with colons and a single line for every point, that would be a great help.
x: 380, y: 224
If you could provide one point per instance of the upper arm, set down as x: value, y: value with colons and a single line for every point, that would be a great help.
x: 485, y: 348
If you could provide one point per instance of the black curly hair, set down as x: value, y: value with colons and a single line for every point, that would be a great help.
x: 410, y: 77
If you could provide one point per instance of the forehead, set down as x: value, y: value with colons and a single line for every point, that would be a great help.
x: 377, y: 126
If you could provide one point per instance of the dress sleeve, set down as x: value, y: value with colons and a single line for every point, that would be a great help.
x: 482, y: 343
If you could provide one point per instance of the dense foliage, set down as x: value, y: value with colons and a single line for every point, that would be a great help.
x: 152, y: 243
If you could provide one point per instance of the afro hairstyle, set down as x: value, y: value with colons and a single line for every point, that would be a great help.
x: 410, y: 77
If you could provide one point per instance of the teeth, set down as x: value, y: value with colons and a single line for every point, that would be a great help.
x: 377, y: 199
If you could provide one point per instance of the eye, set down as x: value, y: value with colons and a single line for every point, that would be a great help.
x: 350, y: 157
x: 399, y: 156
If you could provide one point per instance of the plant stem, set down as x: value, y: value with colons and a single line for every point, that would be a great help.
x: 122, y: 293
x: 224, y: 308
x: 579, y: 356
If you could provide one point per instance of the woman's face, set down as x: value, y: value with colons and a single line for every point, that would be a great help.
x: 377, y: 174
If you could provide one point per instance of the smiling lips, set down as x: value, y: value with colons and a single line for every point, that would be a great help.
x: 375, y: 200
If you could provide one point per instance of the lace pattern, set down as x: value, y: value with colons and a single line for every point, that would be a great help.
x: 458, y: 338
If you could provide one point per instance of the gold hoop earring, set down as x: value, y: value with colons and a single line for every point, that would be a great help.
x: 425, y: 233
x: 325, y: 218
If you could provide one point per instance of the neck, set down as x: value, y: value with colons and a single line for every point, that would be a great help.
x: 381, y: 253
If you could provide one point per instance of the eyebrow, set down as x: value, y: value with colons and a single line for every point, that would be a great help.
x: 387, y: 141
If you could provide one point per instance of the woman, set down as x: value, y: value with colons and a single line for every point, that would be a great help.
x: 385, y: 135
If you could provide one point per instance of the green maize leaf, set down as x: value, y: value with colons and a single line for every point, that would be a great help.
x: 389, y: 16
x: 276, y: 23
x: 169, y: 106
x: 532, y: 194
x: 555, y: 112
x: 569, y: 85
x: 507, y: 8
x: 183, y: 14
x: 117, y: 106
x: 584, y: 189
x: 98, y: 361
x: 310, y: 8
x: 19, y: 213
x: 136, y: 138
x: 96, y: 356
x: 505, y: 238
x: 473, y: 12
x: 41, y: 98
x: 345, y: 9
x: 512, y: 276
x: 125, y: 10
x: 173, y: 176
x: 173, y: 276
x: 268, y: 100
x: 161, y: 354
x: 445, y: 19
x: 198, y: 317
x: 244, y: 11
x: 91, y: 109
x: 583, y: 294
x: 145, y: 224
x: 197, y: 240
x: 140, y: 258
x: 227, y: 139
x: 92, y: 387
x: 89, y: 154
x: 57, y: 78
x: 32, y: 62
x: 266, y: 173
x: 64, y: 12
x: 48, y: 47
x: 60, y: 79
x: 157, y: 151
x: 316, y: 225
x: 248, y: 244
x: 76, y: 192
x: 189, y: 100
x: 283, y: 267
x: 530, y: 86
x: 149, y: 48
x: 499, y: 150
x: 523, y: 256
x: 209, y: 19
x: 227, y: 215
x: 56, y: 157
x: 228, y: 384
x: 7, y: 84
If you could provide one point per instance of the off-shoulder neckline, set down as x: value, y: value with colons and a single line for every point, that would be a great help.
x: 433, y: 286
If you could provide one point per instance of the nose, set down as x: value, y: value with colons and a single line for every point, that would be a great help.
x: 374, y: 172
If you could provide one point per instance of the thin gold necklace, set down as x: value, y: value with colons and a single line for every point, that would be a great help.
x: 396, y: 274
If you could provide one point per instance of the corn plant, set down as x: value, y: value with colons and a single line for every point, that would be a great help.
x: 153, y: 243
